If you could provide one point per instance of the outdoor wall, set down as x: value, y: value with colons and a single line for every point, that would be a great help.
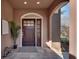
x: 55, y: 30
x: 7, y: 10
x: 72, y: 33
x: 20, y: 12
x: 72, y: 30
x: 56, y: 42
x: 7, y: 14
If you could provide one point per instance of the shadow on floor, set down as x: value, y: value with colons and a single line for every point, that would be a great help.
x: 33, y: 53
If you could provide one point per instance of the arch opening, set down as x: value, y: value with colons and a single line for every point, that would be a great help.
x: 54, y: 24
x: 34, y: 16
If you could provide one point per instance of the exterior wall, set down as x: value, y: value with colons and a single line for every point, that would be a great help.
x: 72, y: 47
x: 19, y: 12
x: 55, y: 30
x: 7, y: 14
x: 56, y: 43
x: 72, y: 33
x: 7, y: 10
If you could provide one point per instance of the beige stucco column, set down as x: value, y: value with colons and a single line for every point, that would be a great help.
x: 72, y: 39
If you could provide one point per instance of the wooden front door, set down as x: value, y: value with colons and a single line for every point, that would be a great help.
x: 31, y: 29
x: 28, y: 32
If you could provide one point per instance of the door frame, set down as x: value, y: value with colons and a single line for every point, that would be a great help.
x: 37, y: 16
x: 23, y: 38
x: 35, y: 26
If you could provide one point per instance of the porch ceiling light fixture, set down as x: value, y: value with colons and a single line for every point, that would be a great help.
x: 25, y: 2
x: 38, y: 2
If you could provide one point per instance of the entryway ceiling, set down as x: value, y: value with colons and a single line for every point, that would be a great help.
x: 31, y: 4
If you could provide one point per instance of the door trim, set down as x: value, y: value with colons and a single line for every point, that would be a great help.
x: 35, y: 29
x: 38, y: 17
x: 35, y: 26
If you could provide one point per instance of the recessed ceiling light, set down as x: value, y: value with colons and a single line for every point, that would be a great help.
x: 38, y: 2
x: 25, y: 2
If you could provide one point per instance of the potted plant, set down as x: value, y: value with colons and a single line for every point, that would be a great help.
x: 14, y: 30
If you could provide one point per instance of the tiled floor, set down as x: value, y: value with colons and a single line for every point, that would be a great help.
x: 34, y: 53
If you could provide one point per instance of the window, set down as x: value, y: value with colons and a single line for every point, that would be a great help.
x: 29, y: 23
x: 65, y: 18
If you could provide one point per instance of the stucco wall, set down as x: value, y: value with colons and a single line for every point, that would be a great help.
x: 19, y: 12
x: 7, y: 14
x: 55, y: 30
x: 7, y: 10
x: 72, y: 30
x: 73, y: 39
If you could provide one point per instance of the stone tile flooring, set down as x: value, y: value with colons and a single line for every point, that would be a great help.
x: 34, y: 53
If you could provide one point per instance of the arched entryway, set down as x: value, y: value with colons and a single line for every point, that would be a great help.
x: 54, y: 24
x: 31, y: 29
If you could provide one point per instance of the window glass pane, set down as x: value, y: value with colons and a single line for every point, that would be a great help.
x: 38, y: 30
x: 28, y: 22
x: 25, y: 21
x: 38, y: 22
x: 25, y: 24
x: 65, y: 19
x: 38, y: 26
x: 31, y: 22
x: 38, y: 34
